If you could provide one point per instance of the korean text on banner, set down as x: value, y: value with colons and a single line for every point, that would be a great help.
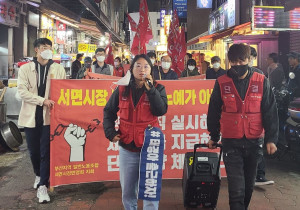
x: 87, y: 156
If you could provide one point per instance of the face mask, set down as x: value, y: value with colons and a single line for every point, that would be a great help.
x: 100, y: 58
x: 152, y: 61
x: 46, y: 54
x: 250, y: 64
x: 165, y: 65
x: 239, y: 70
x: 216, y: 65
x: 191, y: 68
x: 116, y: 64
x: 87, y: 65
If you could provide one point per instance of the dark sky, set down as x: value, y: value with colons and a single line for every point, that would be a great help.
x: 134, y: 5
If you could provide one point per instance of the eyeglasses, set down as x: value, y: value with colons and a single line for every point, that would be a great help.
x: 140, y: 67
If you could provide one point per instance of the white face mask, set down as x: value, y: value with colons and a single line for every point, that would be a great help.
x: 191, y: 68
x: 216, y: 65
x: 100, y: 58
x: 116, y: 64
x: 166, y: 65
x: 46, y: 54
x: 152, y: 61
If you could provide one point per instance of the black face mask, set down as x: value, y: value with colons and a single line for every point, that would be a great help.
x: 240, y: 70
x: 87, y: 65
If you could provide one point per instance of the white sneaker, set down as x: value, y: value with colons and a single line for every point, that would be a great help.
x: 36, y: 182
x: 42, y: 194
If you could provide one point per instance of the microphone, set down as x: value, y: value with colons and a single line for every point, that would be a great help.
x: 148, y: 81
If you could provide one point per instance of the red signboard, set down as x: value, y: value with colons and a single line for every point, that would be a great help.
x: 88, y: 156
x: 60, y: 32
x: 9, y: 13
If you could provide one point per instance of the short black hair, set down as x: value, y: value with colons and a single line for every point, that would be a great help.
x: 79, y: 55
x: 99, y: 50
x: 202, y: 54
x: 42, y: 41
x: 189, y: 55
x: 191, y: 62
x: 274, y: 57
x: 238, y: 52
x: 118, y: 58
x: 253, y: 52
x: 215, y: 59
x: 151, y: 55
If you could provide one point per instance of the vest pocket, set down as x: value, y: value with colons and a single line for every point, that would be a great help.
x: 124, y: 110
x: 230, y: 103
x: 255, y: 126
x: 253, y: 104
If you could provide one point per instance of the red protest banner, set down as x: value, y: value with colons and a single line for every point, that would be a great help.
x: 87, y: 156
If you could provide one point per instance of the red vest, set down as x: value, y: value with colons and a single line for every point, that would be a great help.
x: 241, y: 118
x: 134, y: 120
x: 119, y: 72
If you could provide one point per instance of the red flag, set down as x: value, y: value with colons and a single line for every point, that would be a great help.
x: 110, y: 56
x: 173, y: 34
x: 143, y: 32
x: 133, y: 24
x: 176, y: 45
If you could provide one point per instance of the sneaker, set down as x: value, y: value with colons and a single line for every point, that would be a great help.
x: 36, y: 182
x: 42, y: 194
x: 263, y: 181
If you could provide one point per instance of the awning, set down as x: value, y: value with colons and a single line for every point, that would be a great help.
x: 91, y: 28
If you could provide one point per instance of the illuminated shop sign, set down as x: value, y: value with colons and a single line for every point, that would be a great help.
x: 224, y: 17
x: 274, y: 18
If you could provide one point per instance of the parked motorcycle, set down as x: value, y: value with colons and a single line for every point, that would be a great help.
x: 289, y: 125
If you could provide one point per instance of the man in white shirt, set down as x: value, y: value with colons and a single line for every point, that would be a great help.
x: 34, y: 89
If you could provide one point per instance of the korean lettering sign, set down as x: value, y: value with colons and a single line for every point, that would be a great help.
x: 80, y: 103
x: 9, y: 13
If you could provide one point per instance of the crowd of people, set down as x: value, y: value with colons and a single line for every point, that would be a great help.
x: 242, y: 108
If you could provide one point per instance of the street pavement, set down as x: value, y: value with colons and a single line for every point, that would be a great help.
x: 16, y: 192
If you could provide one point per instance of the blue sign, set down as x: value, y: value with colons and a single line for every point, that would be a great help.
x: 162, y: 17
x: 151, y: 164
x: 181, y: 8
x: 204, y: 4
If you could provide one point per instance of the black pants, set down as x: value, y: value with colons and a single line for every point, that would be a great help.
x: 261, y: 168
x: 38, y: 142
x: 241, y: 164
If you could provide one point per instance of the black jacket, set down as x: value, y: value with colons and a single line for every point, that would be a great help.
x: 189, y: 73
x: 158, y: 105
x: 76, y: 66
x: 268, y: 109
x: 159, y: 74
x: 294, y: 84
x: 212, y: 74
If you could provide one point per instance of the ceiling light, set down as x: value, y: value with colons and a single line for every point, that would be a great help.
x: 53, y: 16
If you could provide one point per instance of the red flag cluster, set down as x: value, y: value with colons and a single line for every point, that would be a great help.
x: 143, y: 31
x: 176, y: 44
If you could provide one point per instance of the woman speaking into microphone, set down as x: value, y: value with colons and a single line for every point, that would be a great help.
x: 139, y: 104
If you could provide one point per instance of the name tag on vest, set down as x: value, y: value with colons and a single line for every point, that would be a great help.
x: 151, y: 163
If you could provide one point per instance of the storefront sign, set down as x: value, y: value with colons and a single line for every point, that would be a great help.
x: 162, y: 17
x: 181, y: 8
x: 82, y: 48
x: 204, y: 4
x: 92, y: 48
x: 167, y: 23
x: 60, y: 32
x: 90, y: 157
x: 274, y: 18
x: 224, y: 17
x: 47, y: 26
x: 9, y: 13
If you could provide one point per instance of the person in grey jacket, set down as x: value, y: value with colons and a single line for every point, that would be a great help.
x: 100, y: 67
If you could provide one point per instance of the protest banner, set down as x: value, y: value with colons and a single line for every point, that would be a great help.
x: 89, y: 157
